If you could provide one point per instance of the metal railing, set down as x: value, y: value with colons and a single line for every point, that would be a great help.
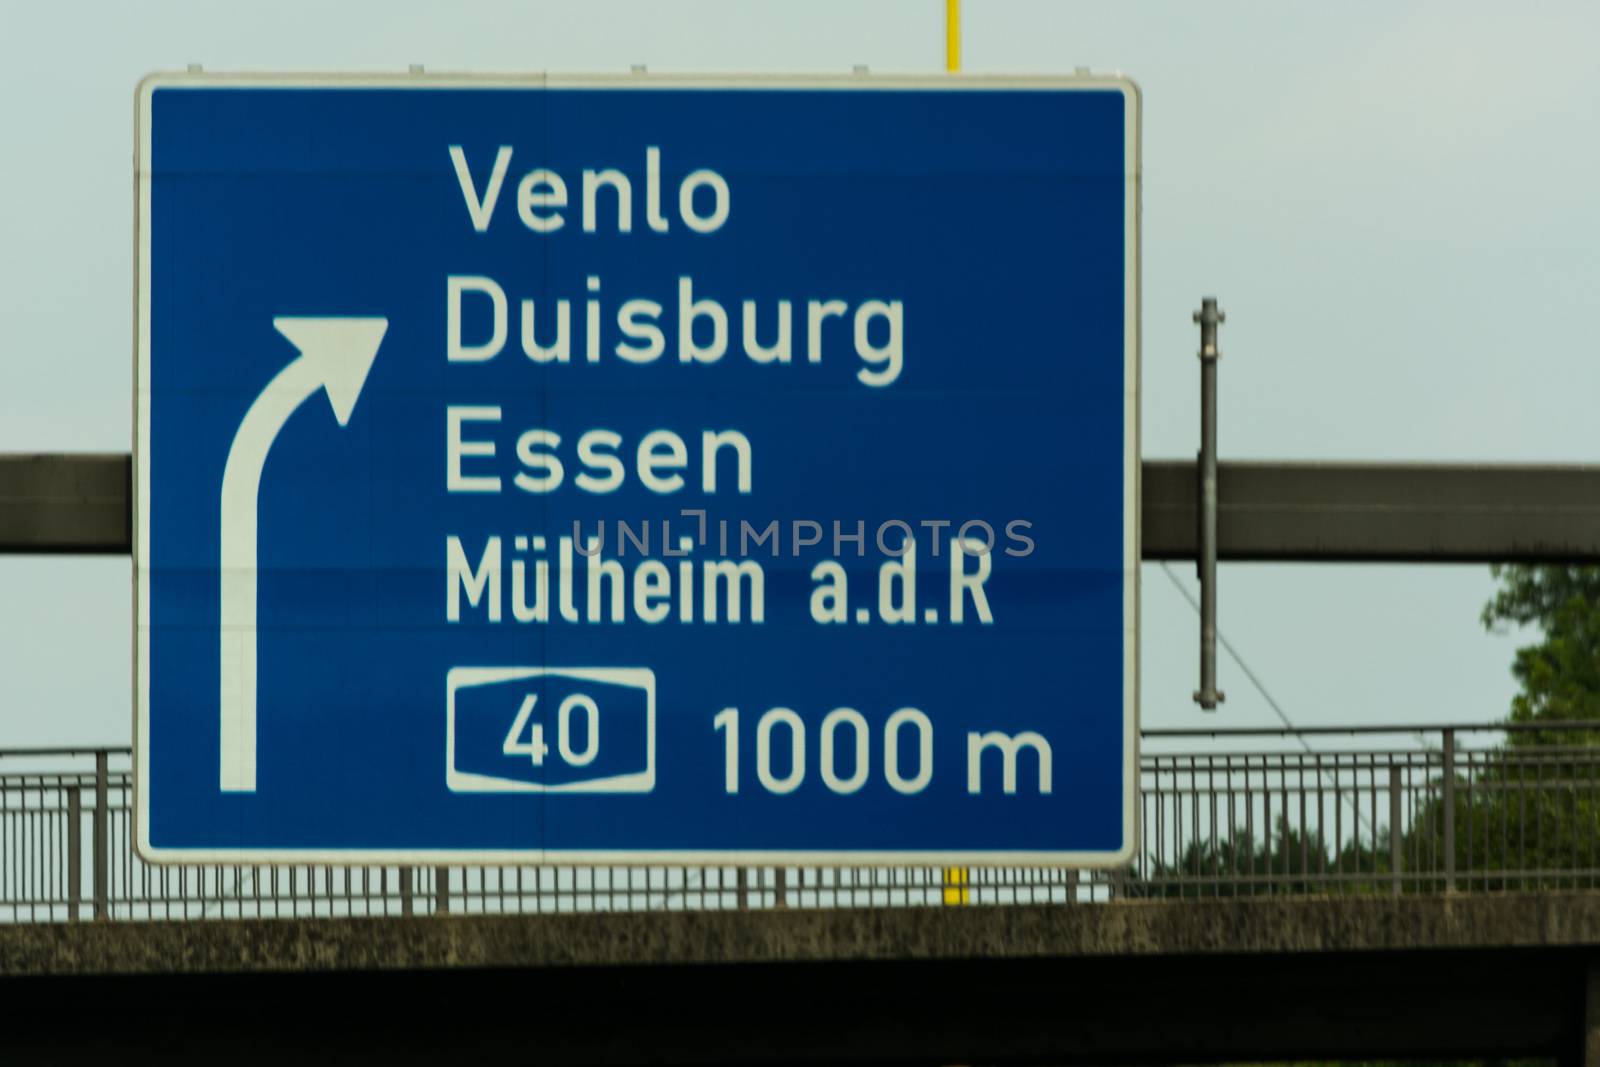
x: 1518, y: 811
x: 1520, y: 814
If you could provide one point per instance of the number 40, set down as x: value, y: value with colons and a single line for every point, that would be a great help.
x: 858, y: 736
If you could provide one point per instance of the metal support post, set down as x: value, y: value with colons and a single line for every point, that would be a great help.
x: 1209, y: 317
x: 1396, y: 783
x: 74, y: 852
x: 952, y: 35
x: 405, y: 891
x: 441, y: 890
x: 1449, y: 757
x: 102, y: 833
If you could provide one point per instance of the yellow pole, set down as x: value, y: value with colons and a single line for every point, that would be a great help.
x: 957, y: 885
x: 952, y: 35
x: 957, y: 880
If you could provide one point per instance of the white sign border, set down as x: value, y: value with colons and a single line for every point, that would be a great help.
x: 1132, y: 155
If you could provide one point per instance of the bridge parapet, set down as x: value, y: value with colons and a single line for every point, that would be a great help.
x: 1247, y: 979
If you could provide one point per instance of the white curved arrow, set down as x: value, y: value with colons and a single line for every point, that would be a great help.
x: 335, y: 355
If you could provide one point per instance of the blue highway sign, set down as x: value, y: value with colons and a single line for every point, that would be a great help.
x: 636, y: 470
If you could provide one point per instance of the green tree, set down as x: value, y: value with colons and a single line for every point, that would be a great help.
x: 1238, y: 864
x: 1560, y: 673
x: 1538, y: 809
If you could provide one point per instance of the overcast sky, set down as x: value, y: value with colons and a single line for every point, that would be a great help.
x: 1395, y: 202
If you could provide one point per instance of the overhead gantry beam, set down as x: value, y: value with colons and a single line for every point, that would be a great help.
x: 1267, y: 511
x: 76, y: 504
x: 1379, y: 512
